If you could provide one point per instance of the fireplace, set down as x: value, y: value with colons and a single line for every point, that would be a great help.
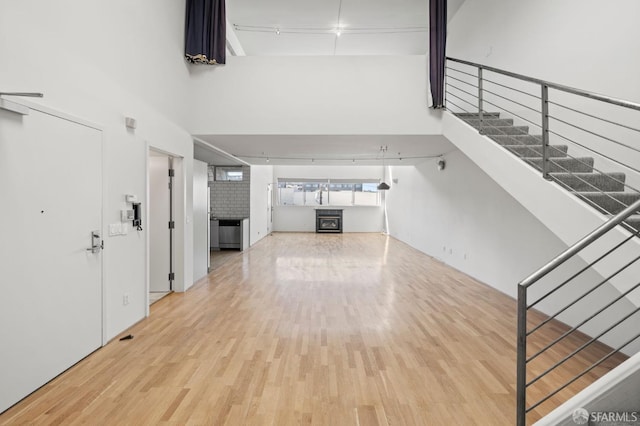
x: 328, y: 221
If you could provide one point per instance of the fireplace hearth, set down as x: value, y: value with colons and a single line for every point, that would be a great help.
x: 328, y: 221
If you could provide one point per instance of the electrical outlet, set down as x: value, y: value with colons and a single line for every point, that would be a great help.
x: 125, y: 299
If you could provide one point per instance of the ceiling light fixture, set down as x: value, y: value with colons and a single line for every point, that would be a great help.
x: 383, y: 185
x: 329, y: 30
x: 338, y: 32
x: 363, y: 158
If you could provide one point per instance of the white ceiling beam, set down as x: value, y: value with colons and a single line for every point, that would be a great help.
x: 233, y: 43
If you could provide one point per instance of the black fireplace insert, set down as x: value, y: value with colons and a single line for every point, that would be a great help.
x: 328, y: 221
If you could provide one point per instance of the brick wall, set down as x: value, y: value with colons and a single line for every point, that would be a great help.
x: 230, y: 199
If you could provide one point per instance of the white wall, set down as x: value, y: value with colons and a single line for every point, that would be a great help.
x: 346, y: 95
x: 200, y: 220
x: 463, y: 218
x: 302, y: 218
x: 261, y: 178
x: 102, y: 61
x: 580, y: 43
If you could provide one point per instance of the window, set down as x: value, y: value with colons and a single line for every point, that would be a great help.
x: 366, y: 194
x: 341, y: 194
x: 328, y: 192
x: 229, y: 173
x: 302, y: 192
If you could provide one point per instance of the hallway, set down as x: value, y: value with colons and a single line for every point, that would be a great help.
x: 341, y: 329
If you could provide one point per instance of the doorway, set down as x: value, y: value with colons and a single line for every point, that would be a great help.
x: 51, y: 187
x: 161, y: 225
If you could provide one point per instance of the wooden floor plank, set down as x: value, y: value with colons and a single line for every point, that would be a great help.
x: 311, y: 329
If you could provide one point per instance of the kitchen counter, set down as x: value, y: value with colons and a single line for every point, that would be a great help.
x: 229, y: 218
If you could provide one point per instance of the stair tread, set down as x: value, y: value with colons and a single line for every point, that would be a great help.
x: 563, y: 164
x: 492, y: 122
x: 516, y: 139
x: 535, y: 151
x: 604, y: 191
x: 594, y: 181
x: 562, y: 159
x: 504, y: 130
x: 583, y: 174
x: 614, y: 194
x: 476, y: 114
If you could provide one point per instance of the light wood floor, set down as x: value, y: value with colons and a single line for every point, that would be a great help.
x: 348, y: 329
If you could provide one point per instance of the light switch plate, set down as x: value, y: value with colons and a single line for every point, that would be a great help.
x: 115, y: 229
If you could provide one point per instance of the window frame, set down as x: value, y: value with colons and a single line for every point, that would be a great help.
x: 326, y: 184
x: 226, y: 170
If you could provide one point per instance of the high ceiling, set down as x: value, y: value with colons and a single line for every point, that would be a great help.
x: 310, y: 28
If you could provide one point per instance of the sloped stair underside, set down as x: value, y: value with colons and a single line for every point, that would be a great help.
x: 566, y: 215
x: 604, y: 191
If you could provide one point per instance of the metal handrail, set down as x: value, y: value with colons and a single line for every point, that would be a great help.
x: 591, y: 115
x: 482, y: 120
x: 580, y: 245
x: 568, y: 89
x: 551, y: 147
x: 545, y: 125
x: 523, y: 308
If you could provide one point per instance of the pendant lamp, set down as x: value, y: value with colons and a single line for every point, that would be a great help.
x: 383, y: 186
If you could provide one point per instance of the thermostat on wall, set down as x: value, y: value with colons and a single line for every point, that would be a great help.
x: 131, y: 198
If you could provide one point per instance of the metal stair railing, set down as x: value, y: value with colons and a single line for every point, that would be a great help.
x: 559, y: 113
x: 526, y: 331
x: 552, y: 363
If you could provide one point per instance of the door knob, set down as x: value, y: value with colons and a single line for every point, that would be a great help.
x: 96, y: 243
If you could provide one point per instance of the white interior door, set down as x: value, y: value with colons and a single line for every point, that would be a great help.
x: 159, y: 205
x: 51, y: 286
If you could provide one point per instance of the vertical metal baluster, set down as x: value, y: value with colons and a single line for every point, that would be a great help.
x: 480, y: 115
x: 521, y: 373
x: 545, y: 132
x: 446, y: 83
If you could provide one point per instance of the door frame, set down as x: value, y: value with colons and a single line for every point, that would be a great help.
x: 44, y: 109
x: 178, y: 192
x: 270, y: 195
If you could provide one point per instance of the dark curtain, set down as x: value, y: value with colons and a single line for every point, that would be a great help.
x: 437, y: 48
x: 206, y: 32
